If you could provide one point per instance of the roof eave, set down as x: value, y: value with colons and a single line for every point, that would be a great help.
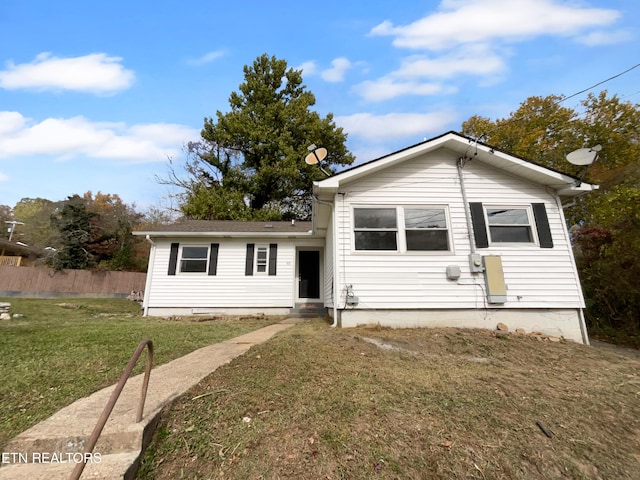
x: 226, y: 234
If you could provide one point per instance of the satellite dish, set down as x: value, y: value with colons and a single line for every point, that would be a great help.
x: 584, y: 156
x: 316, y: 156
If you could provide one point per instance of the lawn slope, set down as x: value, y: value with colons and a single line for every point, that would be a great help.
x: 322, y: 403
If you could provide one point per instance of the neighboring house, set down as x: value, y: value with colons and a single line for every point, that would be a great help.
x: 19, y: 254
x: 448, y: 232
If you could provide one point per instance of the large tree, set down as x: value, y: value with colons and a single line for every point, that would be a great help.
x: 249, y: 162
x: 605, y: 224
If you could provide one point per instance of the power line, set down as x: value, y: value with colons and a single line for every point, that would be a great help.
x: 599, y: 83
x: 517, y: 119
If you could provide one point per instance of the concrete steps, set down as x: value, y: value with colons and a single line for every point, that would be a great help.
x: 308, y: 310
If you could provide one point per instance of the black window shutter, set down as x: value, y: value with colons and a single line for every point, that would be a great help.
x: 542, y: 224
x: 273, y: 258
x: 173, y: 258
x: 479, y: 225
x: 248, y: 267
x: 213, y: 259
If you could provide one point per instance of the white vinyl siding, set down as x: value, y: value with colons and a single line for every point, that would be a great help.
x: 536, y: 277
x: 230, y: 287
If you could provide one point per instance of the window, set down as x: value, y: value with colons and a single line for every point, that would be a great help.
x: 375, y: 229
x: 261, y: 260
x: 194, y: 259
x: 426, y: 229
x: 509, y: 225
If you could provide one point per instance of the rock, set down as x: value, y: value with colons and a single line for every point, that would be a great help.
x: 5, y: 316
x: 554, y: 339
x: 502, y: 328
x: 520, y: 331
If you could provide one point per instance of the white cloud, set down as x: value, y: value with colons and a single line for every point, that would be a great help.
x: 394, y: 125
x: 386, y: 88
x: 597, y: 38
x: 4, y: 177
x: 79, y: 137
x: 308, y: 68
x: 476, y: 60
x: 461, y: 22
x: 95, y: 73
x: 206, y: 58
x: 339, y: 68
x: 475, y: 37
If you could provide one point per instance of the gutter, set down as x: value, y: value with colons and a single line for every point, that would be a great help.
x: 228, y: 234
x: 147, y: 286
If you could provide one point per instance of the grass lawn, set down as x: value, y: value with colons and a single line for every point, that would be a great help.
x: 369, y: 403
x: 65, y: 349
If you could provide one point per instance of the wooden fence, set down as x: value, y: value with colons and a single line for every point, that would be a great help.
x: 47, y: 282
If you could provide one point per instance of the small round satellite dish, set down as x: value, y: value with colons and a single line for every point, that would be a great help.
x: 311, y: 159
x: 582, y: 156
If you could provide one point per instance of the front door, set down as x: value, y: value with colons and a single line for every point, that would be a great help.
x: 309, y: 274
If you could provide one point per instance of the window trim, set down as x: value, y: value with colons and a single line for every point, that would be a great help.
x: 530, y: 219
x: 401, y: 237
x: 181, y: 259
x: 446, y: 229
x: 259, y: 247
x: 365, y: 229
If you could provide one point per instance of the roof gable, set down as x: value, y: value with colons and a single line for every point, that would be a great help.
x: 566, y: 185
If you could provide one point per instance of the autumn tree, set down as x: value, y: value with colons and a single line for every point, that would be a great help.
x: 36, y: 213
x: 249, y: 161
x: 110, y: 242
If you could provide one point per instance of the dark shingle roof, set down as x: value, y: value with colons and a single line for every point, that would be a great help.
x: 230, y: 226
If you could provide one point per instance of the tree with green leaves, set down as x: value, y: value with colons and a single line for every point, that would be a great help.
x: 605, y: 224
x: 249, y: 163
x: 73, y: 223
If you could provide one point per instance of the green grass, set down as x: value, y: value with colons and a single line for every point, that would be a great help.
x: 322, y: 403
x: 64, y: 349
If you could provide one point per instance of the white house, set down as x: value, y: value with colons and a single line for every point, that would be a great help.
x: 448, y: 232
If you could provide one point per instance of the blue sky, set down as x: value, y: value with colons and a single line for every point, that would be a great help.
x: 98, y: 95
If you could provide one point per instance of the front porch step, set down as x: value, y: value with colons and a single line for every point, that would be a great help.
x: 308, y: 310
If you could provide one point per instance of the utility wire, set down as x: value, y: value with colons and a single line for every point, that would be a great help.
x: 517, y: 119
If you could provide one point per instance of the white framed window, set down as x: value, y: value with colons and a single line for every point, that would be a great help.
x: 262, y: 260
x: 194, y: 258
x: 375, y: 228
x: 509, y: 224
x: 426, y: 229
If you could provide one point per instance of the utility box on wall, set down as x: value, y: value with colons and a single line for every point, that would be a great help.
x: 494, y: 279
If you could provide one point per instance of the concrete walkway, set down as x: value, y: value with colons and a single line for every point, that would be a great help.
x: 54, y: 441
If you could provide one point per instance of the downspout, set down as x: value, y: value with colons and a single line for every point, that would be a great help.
x: 467, y: 212
x: 335, y: 259
x: 147, y: 286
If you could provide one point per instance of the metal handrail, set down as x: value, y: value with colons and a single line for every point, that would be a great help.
x: 97, y: 430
